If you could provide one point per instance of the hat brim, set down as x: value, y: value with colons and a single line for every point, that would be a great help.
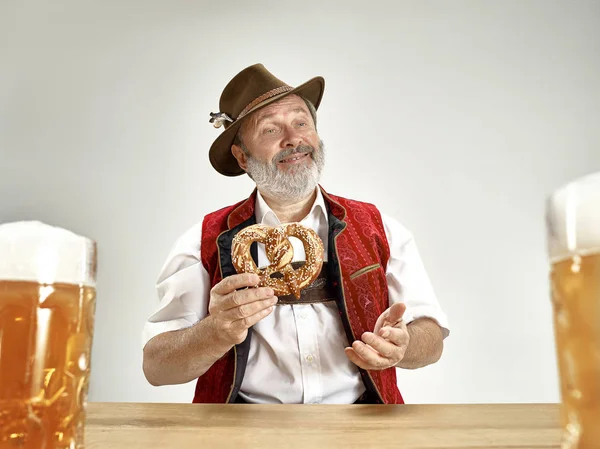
x: 220, y: 154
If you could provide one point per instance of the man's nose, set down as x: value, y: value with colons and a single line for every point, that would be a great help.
x: 292, y: 139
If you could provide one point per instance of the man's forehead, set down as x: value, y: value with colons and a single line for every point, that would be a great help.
x: 294, y: 102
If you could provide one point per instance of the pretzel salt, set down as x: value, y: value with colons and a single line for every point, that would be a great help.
x: 280, y: 253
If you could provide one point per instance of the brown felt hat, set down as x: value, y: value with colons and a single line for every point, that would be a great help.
x: 250, y: 90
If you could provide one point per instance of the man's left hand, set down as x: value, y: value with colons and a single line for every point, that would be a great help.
x: 386, y: 345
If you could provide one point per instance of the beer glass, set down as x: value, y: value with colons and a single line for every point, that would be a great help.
x: 573, y: 229
x: 47, y: 303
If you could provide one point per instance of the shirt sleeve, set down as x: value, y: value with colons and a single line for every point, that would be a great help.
x: 407, y: 278
x: 183, y: 288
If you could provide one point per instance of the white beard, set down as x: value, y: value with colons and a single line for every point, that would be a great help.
x: 293, y: 184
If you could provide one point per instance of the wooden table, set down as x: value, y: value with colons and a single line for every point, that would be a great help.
x: 179, y: 426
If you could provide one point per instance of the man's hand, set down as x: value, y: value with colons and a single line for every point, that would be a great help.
x: 177, y: 357
x: 386, y: 345
x: 233, y: 311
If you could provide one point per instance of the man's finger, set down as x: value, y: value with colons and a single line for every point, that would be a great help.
x: 246, y: 322
x: 381, y: 321
x: 240, y: 297
x: 384, y: 347
x: 247, y: 310
x: 370, y: 356
x: 236, y: 281
x: 356, y: 359
x: 396, y: 312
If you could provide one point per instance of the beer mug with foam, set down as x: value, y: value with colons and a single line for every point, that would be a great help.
x: 47, y: 302
x: 573, y: 225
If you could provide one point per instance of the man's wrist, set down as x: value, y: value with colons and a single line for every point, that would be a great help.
x: 215, y: 344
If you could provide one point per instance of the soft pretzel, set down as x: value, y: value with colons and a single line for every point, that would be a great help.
x: 280, y: 253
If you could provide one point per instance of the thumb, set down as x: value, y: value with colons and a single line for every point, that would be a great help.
x: 395, y: 312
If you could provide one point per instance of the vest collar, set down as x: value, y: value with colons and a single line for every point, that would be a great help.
x: 242, y: 212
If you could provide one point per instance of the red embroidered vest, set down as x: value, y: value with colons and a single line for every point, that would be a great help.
x: 357, y: 260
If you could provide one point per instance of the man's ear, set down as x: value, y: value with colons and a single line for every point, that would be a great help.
x: 240, y: 156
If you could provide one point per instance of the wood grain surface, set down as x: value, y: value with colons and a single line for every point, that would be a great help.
x: 145, y: 425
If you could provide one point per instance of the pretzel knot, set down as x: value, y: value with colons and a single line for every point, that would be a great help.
x: 280, y: 254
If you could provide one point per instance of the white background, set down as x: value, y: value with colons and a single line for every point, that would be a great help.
x: 456, y: 117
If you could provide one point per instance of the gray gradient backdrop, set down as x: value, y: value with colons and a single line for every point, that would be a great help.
x: 456, y: 117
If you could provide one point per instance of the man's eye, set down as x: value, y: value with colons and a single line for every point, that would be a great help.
x: 302, y: 124
x: 269, y: 131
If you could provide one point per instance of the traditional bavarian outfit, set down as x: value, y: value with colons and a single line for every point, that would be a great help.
x: 296, y: 354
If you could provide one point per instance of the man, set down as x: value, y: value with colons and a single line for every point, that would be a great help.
x: 371, y: 310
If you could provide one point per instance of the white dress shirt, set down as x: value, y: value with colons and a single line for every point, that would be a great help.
x: 297, y: 352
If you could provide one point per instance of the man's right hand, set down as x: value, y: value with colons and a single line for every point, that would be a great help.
x: 180, y: 356
x: 233, y: 311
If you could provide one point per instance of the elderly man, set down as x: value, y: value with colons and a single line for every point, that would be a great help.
x: 371, y: 310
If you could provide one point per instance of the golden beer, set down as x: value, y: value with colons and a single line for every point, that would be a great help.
x: 46, y: 330
x: 573, y: 224
x: 576, y: 299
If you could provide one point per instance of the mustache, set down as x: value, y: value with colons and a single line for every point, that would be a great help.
x: 283, y: 154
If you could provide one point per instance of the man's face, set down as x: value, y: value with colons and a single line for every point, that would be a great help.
x: 284, y: 155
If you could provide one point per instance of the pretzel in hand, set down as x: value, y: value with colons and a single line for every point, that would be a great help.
x: 280, y: 253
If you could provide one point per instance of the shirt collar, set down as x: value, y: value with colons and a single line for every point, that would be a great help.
x: 265, y: 215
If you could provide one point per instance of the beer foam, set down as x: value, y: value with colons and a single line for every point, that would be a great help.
x: 37, y: 252
x: 574, y: 218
